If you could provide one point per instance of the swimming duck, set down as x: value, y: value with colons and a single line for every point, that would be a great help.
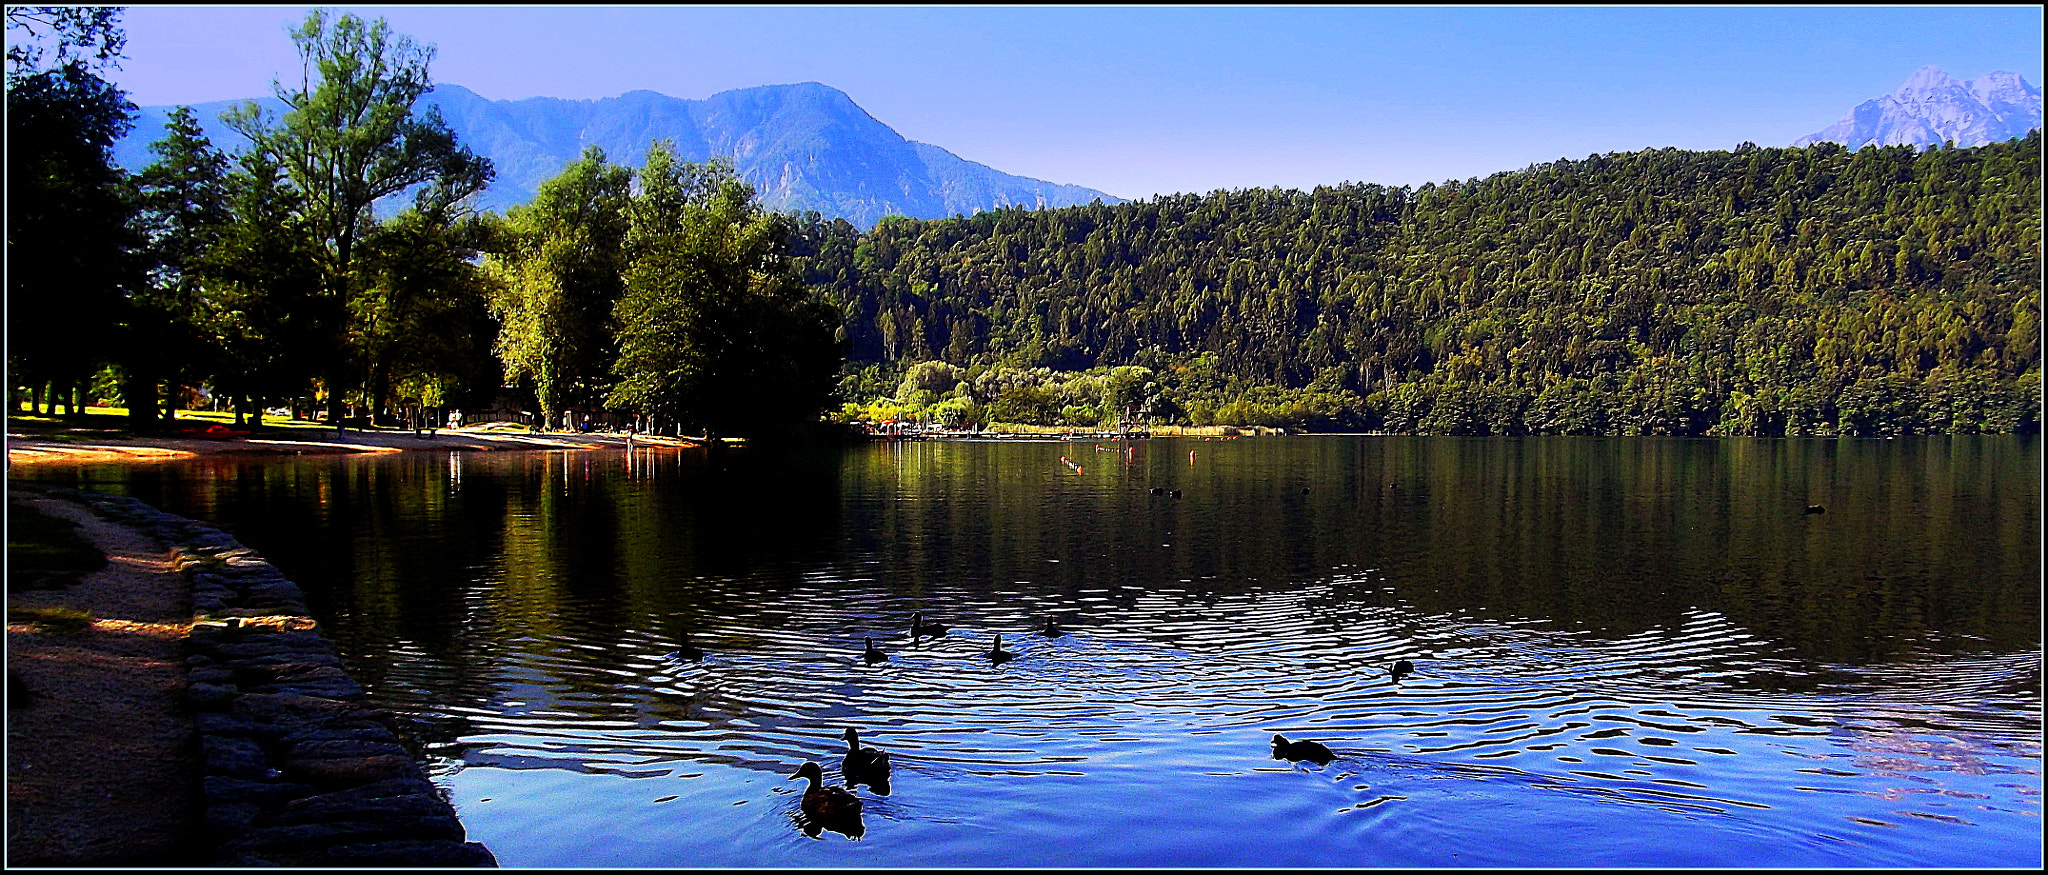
x: 1052, y: 628
x: 919, y: 628
x: 1401, y: 669
x: 865, y: 765
x: 997, y: 654
x: 1299, y: 751
x: 1815, y: 508
x: 822, y: 802
x: 686, y: 650
x: 874, y: 654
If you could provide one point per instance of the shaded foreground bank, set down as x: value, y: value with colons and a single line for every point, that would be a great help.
x: 293, y: 766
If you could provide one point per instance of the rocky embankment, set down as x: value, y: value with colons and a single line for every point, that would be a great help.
x: 299, y: 769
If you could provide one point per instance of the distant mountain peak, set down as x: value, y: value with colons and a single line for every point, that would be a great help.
x: 1932, y: 108
x: 803, y: 146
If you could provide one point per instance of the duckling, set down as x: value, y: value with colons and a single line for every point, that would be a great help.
x: 1052, y: 628
x: 685, y: 650
x: 919, y: 628
x: 822, y: 802
x: 865, y: 765
x: 1299, y: 751
x: 1401, y: 669
x: 874, y: 654
x: 997, y: 654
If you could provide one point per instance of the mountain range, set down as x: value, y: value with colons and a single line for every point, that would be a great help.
x: 1932, y: 109
x: 803, y: 147
x: 808, y: 146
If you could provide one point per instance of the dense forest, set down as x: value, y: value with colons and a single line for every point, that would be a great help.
x: 1755, y: 291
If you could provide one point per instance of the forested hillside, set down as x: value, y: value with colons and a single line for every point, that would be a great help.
x: 1759, y: 291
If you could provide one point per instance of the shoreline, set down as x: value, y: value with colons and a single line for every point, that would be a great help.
x: 74, y: 448
x: 230, y: 735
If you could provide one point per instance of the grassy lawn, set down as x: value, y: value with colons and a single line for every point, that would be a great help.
x: 101, y: 423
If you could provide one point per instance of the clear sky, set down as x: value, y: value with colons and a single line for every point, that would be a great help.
x: 1143, y: 100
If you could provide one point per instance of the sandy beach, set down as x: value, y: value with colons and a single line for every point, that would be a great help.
x: 84, y: 447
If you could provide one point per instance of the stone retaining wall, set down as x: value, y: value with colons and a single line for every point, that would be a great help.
x: 299, y: 769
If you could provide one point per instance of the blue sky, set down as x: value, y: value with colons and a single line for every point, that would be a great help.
x: 1145, y: 100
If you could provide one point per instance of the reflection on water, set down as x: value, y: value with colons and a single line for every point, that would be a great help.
x: 1639, y: 652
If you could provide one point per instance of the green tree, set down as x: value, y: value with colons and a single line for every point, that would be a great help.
x: 68, y: 206
x: 349, y: 139
x: 420, y: 320
x: 265, y: 306
x: 183, y: 199
x: 718, y: 333
x: 558, y: 266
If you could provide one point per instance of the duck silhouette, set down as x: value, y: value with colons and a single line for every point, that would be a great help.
x: 874, y: 654
x: 1815, y: 508
x: 997, y: 654
x: 1052, y: 628
x: 685, y: 650
x: 919, y: 628
x: 825, y: 803
x: 865, y: 765
x: 1301, y: 751
x: 1401, y: 669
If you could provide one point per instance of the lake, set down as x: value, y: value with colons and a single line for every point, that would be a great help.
x: 1639, y: 652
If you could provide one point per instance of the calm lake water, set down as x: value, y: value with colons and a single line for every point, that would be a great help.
x: 1628, y: 651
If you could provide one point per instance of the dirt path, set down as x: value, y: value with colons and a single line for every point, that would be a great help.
x: 102, y: 758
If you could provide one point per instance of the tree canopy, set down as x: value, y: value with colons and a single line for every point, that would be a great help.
x: 1754, y: 291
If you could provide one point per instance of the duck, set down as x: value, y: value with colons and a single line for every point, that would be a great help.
x: 685, y: 650
x: 997, y: 654
x: 874, y: 654
x: 1052, y: 628
x: 919, y: 628
x: 1401, y: 668
x: 864, y: 765
x: 822, y: 802
x: 1299, y: 751
x: 1815, y: 508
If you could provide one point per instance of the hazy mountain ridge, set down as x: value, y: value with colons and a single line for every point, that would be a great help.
x: 803, y: 147
x: 1932, y: 108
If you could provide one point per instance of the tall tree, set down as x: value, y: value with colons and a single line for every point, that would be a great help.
x: 718, y: 333
x: 349, y: 138
x: 67, y: 203
x: 265, y: 308
x: 420, y: 321
x: 183, y: 199
x: 558, y: 264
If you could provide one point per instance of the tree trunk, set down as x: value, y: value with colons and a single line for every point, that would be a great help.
x: 334, y: 408
x: 173, y: 394
x: 139, y: 390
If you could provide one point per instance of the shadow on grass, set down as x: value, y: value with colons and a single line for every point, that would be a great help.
x: 46, y: 552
